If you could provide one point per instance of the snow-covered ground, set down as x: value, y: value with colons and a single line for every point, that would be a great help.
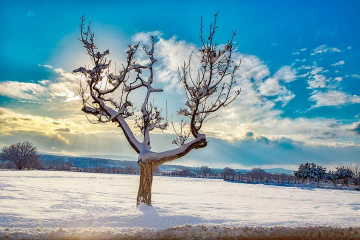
x: 44, y: 201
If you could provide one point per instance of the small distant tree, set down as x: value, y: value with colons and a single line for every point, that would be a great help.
x: 344, y: 173
x: 258, y: 174
x: 331, y: 176
x: 205, y: 171
x: 357, y: 183
x: 229, y: 173
x: 310, y: 171
x: 186, y: 172
x: 130, y: 169
x: 23, y: 155
x: 284, y: 178
x: 356, y: 170
x: 99, y: 169
x: 320, y: 173
x: 7, y: 165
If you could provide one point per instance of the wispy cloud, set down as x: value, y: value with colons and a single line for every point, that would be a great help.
x: 342, y: 62
x: 317, y: 81
x: 324, y: 49
x: 339, y: 79
x: 333, y: 98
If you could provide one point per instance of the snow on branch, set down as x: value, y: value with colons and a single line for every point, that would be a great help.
x: 106, y: 95
x: 212, y: 88
x: 98, y: 96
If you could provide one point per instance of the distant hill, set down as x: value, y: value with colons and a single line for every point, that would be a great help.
x: 93, y: 162
x: 101, y: 160
x: 279, y: 171
x: 113, y: 157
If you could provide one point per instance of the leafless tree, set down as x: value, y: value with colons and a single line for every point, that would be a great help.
x: 205, y: 171
x: 107, y: 96
x: 258, y: 174
x: 229, y: 174
x: 186, y: 172
x: 23, y: 155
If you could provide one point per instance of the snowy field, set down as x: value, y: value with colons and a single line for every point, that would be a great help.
x: 58, y: 204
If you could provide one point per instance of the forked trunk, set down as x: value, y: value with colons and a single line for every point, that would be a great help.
x: 147, y: 168
x: 146, y: 176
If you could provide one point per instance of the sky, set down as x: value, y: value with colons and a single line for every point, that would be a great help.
x: 299, y: 76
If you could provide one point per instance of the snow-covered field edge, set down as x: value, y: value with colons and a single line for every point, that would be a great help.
x: 184, y: 232
x: 68, y: 205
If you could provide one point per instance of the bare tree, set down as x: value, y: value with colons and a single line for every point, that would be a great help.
x: 206, y: 92
x: 23, y: 155
x: 229, y: 174
x: 258, y: 174
x: 205, y: 171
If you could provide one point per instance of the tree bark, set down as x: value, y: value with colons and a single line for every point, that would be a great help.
x: 146, y: 177
x: 147, y: 168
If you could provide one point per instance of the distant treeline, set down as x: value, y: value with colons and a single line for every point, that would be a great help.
x: 317, y: 174
x: 308, y: 174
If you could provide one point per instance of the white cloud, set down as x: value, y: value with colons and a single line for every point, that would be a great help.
x: 317, y: 70
x: 172, y: 53
x: 262, y: 119
x: 286, y: 74
x: 324, y: 49
x: 144, y: 37
x: 298, y: 52
x: 333, y: 98
x: 304, y: 75
x: 305, y: 67
x: 251, y: 68
x: 271, y: 87
x: 342, y: 62
x: 317, y: 81
x: 22, y: 90
x: 339, y: 79
x: 63, y: 88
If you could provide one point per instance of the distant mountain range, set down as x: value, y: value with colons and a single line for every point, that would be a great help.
x: 94, y: 161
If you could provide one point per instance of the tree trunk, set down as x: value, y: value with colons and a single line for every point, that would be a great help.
x: 146, y: 176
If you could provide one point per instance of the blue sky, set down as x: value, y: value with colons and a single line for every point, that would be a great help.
x: 300, y: 76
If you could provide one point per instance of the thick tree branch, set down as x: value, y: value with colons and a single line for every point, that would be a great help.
x: 166, y: 156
